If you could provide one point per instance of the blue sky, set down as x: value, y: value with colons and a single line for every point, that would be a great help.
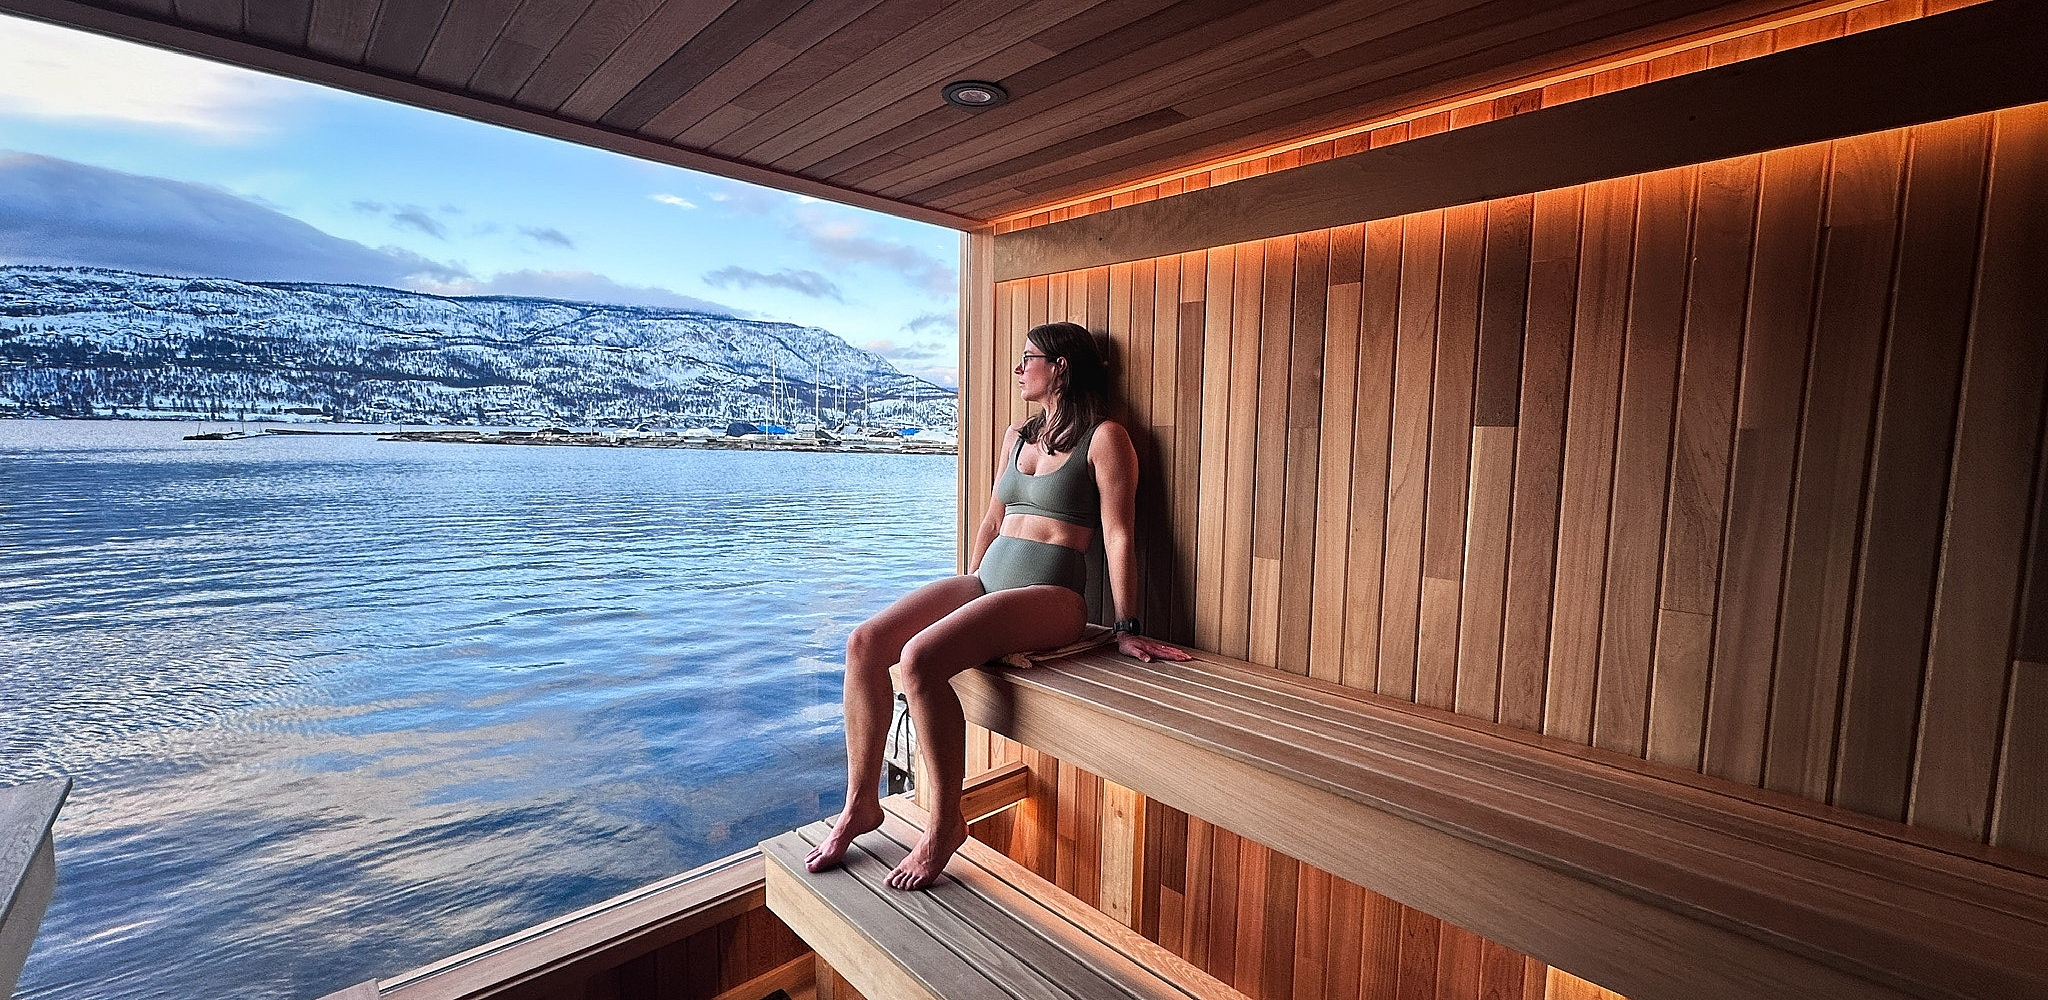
x: 119, y: 155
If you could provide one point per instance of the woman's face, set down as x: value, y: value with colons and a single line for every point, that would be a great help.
x: 1037, y: 375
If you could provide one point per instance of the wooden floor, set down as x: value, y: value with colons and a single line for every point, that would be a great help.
x: 989, y: 928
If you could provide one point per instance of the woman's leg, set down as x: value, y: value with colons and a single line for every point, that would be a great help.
x: 874, y: 645
x: 1007, y: 621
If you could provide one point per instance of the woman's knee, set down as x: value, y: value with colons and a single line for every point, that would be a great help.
x: 867, y: 648
x: 925, y: 667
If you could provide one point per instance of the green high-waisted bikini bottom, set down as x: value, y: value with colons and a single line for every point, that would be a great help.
x: 1013, y: 562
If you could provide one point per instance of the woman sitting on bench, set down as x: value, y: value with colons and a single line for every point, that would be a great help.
x: 1070, y: 472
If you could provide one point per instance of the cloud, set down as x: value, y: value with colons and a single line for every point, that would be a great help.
x: 809, y: 283
x: 415, y: 218
x: 909, y: 352
x: 552, y: 237
x: 676, y: 200
x: 67, y: 75
x: 748, y: 199
x: 935, y: 363
x: 928, y: 322
x: 576, y: 286
x: 844, y: 241
x: 837, y: 237
x: 60, y: 213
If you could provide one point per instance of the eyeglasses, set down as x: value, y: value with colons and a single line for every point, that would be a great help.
x: 1026, y: 359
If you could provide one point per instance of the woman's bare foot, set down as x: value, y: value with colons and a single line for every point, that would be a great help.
x: 927, y: 861
x: 856, y: 820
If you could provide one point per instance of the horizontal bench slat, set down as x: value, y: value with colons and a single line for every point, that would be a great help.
x: 1833, y: 924
x: 987, y: 928
x: 1095, y: 936
x: 840, y: 919
x: 1853, y: 896
x: 1795, y: 824
x: 1038, y: 943
x: 1708, y: 844
x: 996, y: 943
x: 1953, y: 855
x: 1917, y: 868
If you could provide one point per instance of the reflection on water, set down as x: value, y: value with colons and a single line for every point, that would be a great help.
x: 337, y: 708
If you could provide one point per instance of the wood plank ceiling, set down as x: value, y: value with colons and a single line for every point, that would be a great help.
x: 842, y: 97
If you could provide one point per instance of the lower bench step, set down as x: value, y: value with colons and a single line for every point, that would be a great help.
x: 989, y: 928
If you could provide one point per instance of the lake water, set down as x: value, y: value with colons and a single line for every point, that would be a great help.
x: 337, y: 708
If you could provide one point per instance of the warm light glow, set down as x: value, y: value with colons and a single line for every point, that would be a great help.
x: 1580, y: 71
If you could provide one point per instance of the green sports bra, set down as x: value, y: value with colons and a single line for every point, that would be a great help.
x: 1065, y: 494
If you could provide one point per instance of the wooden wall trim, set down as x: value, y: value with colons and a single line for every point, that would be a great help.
x: 363, y: 80
x: 973, y: 407
x: 994, y: 790
x: 1980, y: 58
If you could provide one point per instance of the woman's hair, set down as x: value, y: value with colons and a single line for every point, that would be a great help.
x: 1083, y: 387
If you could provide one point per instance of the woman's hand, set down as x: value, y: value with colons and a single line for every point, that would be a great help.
x: 1138, y: 647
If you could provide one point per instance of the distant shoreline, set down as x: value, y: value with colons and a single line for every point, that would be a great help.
x: 801, y: 441
x: 649, y: 439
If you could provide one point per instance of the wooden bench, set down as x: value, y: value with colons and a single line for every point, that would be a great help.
x: 989, y: 928
x: 1650, y: 881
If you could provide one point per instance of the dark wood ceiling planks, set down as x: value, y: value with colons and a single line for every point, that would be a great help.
x: 841, y: 97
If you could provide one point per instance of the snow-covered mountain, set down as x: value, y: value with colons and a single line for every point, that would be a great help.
x: 78, y: 342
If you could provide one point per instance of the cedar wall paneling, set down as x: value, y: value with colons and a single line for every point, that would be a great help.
x: 1733, y: 467
x: 1265, y: 923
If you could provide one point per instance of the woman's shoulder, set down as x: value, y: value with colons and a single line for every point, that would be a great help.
x: 1108, y: 430
x: 1109, y: 436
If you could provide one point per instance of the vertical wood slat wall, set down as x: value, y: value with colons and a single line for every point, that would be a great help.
x: 1733, y: 467
x: 1265, y: 923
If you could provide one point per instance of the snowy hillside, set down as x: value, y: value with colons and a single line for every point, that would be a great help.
x: 91, y: 342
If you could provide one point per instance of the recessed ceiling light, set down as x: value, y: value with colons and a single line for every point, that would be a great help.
x: 975, y: 94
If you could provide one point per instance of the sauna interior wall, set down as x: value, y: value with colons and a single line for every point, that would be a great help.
x: 1734, y: 467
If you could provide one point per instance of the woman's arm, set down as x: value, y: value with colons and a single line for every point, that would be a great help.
x: 1116, y: 480
x: 991, y: 523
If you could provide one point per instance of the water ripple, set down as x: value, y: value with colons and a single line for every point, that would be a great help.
x: 337, y: 708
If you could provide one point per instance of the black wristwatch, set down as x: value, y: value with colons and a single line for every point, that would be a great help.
x: 1128, y: 626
